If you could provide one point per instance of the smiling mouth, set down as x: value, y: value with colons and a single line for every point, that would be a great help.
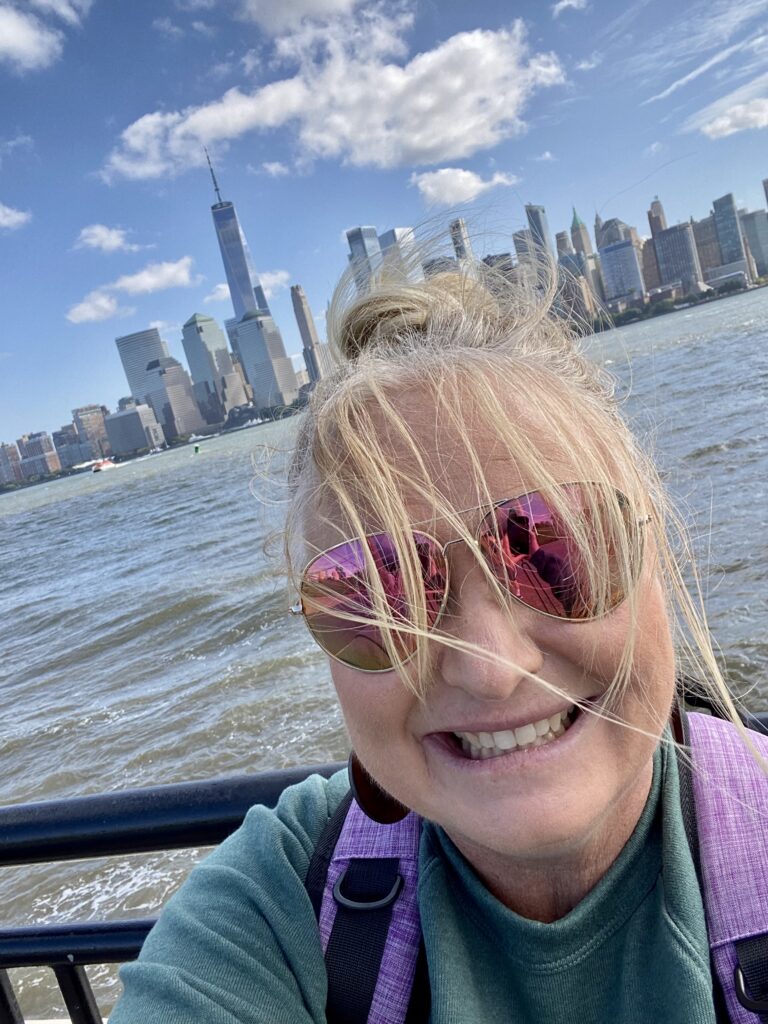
x: 479, y: 746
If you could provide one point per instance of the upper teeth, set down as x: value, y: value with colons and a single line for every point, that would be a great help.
x: 486, y: 743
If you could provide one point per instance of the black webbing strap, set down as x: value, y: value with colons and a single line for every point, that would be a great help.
x: 751, y: 975
x: 365, y: 895
x: 688, y: 807
x: 317, y: 872
x: 421, y: 996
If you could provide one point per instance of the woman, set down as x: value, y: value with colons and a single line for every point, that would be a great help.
x: 481, y: 548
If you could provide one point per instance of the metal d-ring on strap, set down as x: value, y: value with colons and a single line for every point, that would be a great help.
x: 746, y: 1000
x: 379, y: 904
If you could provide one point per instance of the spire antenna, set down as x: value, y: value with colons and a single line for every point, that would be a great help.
x: 213, y: 175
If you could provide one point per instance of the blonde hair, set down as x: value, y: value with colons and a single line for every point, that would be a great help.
x: 473, y: 345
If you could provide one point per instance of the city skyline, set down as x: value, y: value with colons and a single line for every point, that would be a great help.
x: 117, y: 227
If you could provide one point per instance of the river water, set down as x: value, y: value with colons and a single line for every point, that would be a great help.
x: 144, y: 635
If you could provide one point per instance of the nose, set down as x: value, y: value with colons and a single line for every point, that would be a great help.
x: 475, y: 617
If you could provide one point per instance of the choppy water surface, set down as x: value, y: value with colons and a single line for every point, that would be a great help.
x: 144, y: 634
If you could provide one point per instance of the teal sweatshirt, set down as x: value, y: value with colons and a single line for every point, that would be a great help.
x: 238, y: 944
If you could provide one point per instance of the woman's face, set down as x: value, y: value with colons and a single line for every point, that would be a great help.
x: 524, y: 803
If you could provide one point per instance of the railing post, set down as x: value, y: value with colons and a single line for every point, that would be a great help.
x: 10, y: 1012
x: 78, y: 995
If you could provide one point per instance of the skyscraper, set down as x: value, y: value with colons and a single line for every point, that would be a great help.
x: 364, y: 255
x: 539, y: 227
x: 707, y: 244
x: 89, y: 423
x: 244, y: 286
x: 460, y: 240
x: 137, y: 351
x: 133, y: 430
x: 316, y: 355
x: 580, y: 235
x: 754, y: 227
x: 765, y: 188
x: 38, y: 455
x: 10, y: 464
x: 267, y: 368
x: 399, y: 253
x: 657, y: 219
x: 215, y: 384
x: 622, y: 274
x: 650, y: 265
x: 563, y: 244
x: 172, y: 399
x: 677, y: 257
x: 525, y: 245
x: 728, y: 230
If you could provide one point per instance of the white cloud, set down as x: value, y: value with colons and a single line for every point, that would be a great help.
x: 167, y: 28
x: 250, y: 61
x: 156, y: 277
x: 203, y: 28
x: 452, y: 185
x: 101, y: 304
x: 70, y: 11
x: 546, y: 157
x: 7, y: 146
x: 26, y: 43
x: 165, y: 327
x: 219, y: 294
x: 590, y: 63
x: 275, y: 169
x: 11, y: 219
x: 738, y: 111
x: 273, y: 281
x: 97, y: 305
x: 738, y: 118
x: 564, y: 5
x: 99, y: 236
x: 196, y: 5
x: 718, y: 58
x: 348, y: 102
x: 654, y: 149
x: 275, y: 16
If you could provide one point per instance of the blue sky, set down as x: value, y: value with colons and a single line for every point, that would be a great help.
x: 322, y: 114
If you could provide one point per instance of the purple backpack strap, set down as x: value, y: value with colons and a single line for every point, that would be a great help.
x: 361, y: 839
x: 731, y: 798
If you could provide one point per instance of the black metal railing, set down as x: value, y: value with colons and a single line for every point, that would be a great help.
x: 183, y: 816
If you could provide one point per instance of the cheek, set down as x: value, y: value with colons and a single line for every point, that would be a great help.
x: 376, y: 711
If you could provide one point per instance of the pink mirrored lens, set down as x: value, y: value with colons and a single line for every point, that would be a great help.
x: 336, y: 586
x: 533, y: 556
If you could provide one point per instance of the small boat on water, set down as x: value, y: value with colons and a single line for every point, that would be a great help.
x: 102, y: 464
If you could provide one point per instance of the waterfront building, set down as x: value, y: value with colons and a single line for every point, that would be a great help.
x: 650, y: 265
x: 89, y: 423
x: 563, y: 244
x: 364, y: 255
x: 657, y: 219
x: 598, y: 230
x: 580, y: 235
x: 525, y: 245
x: 245, y: 288
x: 754, y: 228
x: 621, y: 271
x: 707, y: 244
x: 136, y: 352
x: 399, y: 253
x: 38, y: 455
x: 678, y: 259
x: 440, y: 265
x: 615, y: 230
x: 728, y: 230
x: 503, y: 263
x: 317, y: 357
x: 460, y: 240
x: 172, y: 399
x: 215, y: 385
x: 539, y: 228
x: 594, y: 275
x: 765, y: 189
x: 70, y: 448
x: 10, y: 464
x: 134, y: 429
x: 270, y: 373
x: 575, y: 299
x: 302, y: 379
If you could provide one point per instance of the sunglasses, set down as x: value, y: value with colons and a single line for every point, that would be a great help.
x: 525, y: 544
